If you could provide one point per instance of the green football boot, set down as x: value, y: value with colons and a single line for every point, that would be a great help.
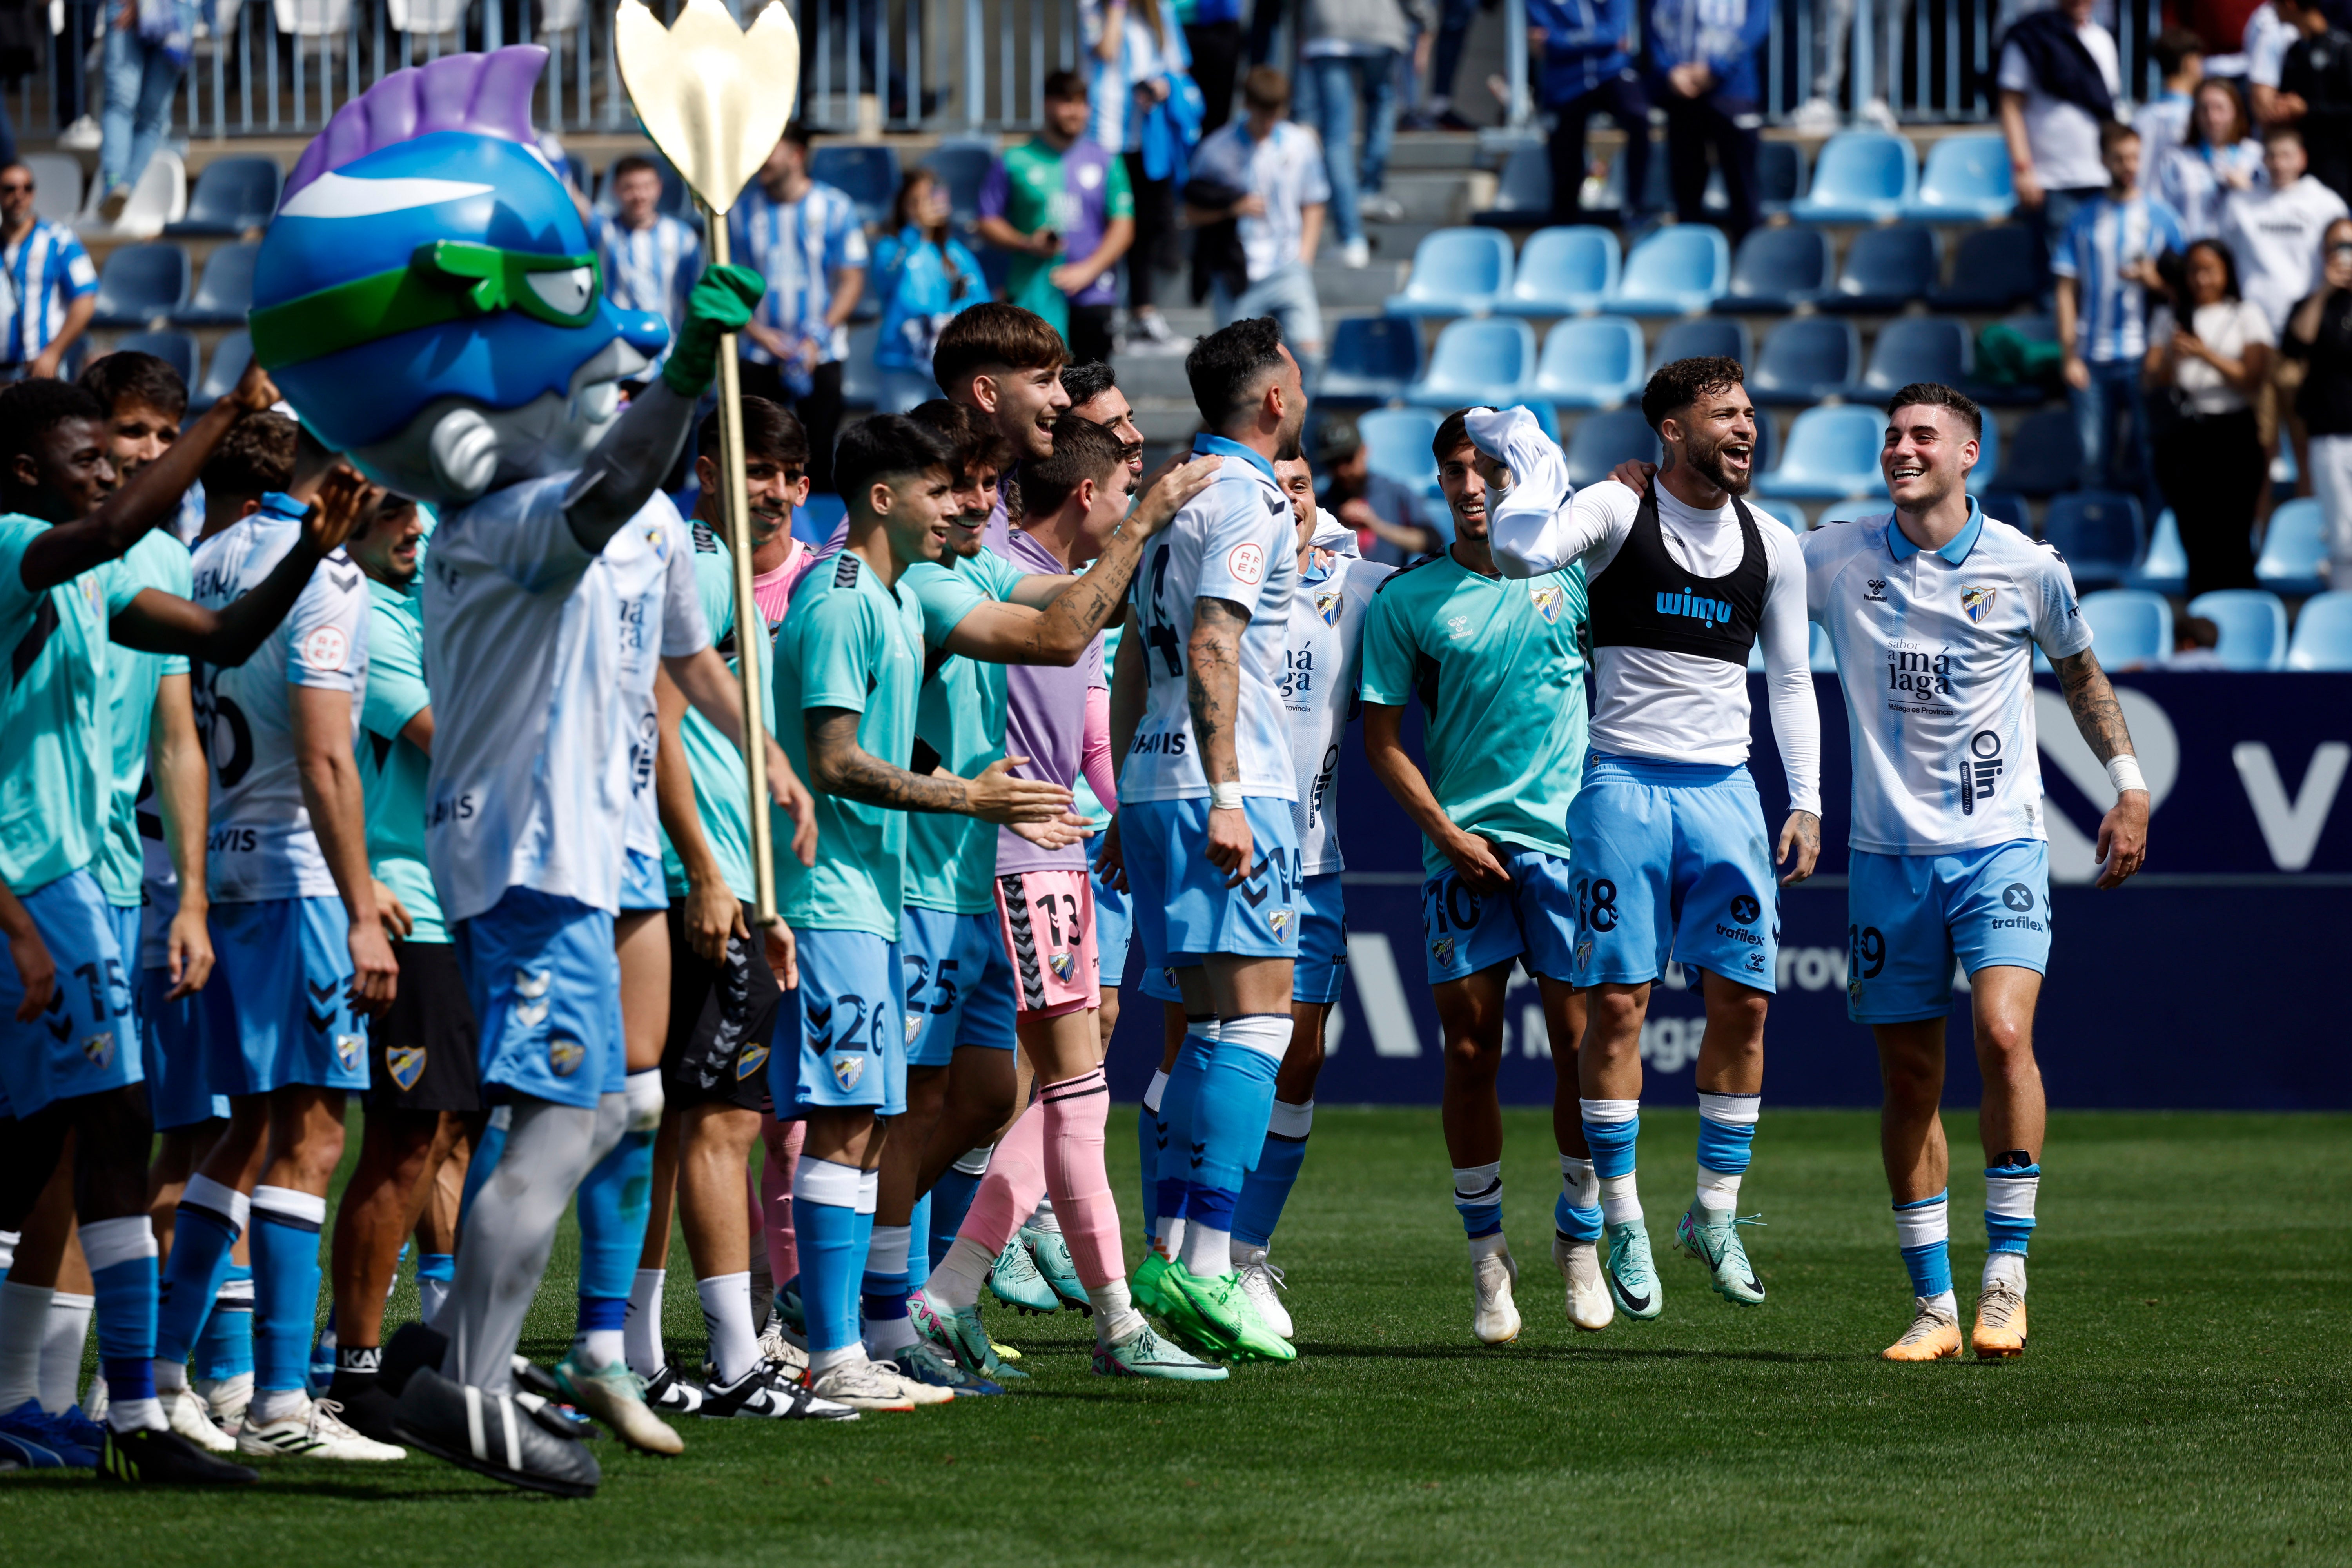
x: 1632, y: 1277
x: 1147, y: 1288
x: 960, y: 1333
x: 1144, y: 1354
x: 1222, y: 1313
x: 1712, y: 1236
x: 1014, y: 1279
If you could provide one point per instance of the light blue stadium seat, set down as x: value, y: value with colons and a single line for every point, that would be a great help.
x: 1700, y: 336
x: 2294, y: 545
x: 176, y: 349
x: 2130, y: 627
x: 1396, y: 445
x: 1918, y: 348
x: 1967, y: 180
x: 814, y: 524
x: 2003, y: 506
x: 1861, y: 176
x: 1788, y: 511
x: 1832, y: 454
x: 2323, y: 634
x: 2098, y: 531
x: 1601, y: 441
x: 1373, y: 360
x: 1592, y: 362
x: 1456, y: 272
x: 1678, y: 270
x: 2165, y: 568
x: 1886, y: 269
x: 861, y: 383
x: 1853, y: 508
x: 1804, y: 360
x: 1480, y: 360
x: 2044, y: 457
x: 2252, y: 623
x: 867, y: 171
x: 1778, y: 268
x: 1564, y: 272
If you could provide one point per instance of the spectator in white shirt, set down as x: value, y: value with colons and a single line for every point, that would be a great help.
x: 2058, y: 80
x: 2209, y: 463
x: 1279, y: 165
x: 2275, y: 232
x: 2195, y: 175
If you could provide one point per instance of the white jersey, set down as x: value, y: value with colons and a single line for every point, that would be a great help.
x: 1653, y: 702
x: 1319, y: 688
x: 658, y: 619
x: 261, y: 844
x: 1238, y: 541
x: 1934, y: 651
x: 529, y: 786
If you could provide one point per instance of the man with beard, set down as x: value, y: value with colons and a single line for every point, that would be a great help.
x: 1670, y: 845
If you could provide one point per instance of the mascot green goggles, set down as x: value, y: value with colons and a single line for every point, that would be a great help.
x: 445, y: 280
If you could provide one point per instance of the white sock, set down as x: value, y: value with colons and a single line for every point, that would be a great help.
x: 61, y: 1347
x: 430, y: 1295
x: 1207, y: 1253
x: 642, y: 1332
x: 825, y: 1361
x: 1620, y: 1201
x: 227, y: 1394
x: 24, y: 1327
x: 1719, y: 1190
x: 1115, y: 1315
x: 956, y: 1278
x: 1487, y: 1246
x: 1159, y: 1087
x: 1171, y: 1238
x: 727, y: 1319
x: 974, y: 1162
x: 887, y: 1254
x: 2007, y: 1266
x: 1043, y: 1219
x: 1578, y: 1182
x: 170, y: 1376
x: 277, y: 1404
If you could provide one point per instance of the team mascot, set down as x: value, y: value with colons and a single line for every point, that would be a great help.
x: 429, y: 300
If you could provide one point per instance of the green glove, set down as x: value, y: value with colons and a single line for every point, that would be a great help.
x: 721, y: 302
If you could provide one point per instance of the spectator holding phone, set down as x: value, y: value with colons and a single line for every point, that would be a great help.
x: 1062, y: 204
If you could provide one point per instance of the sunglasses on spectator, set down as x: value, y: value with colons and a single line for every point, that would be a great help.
x: 17, y: 188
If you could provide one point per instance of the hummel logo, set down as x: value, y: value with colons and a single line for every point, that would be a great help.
x: 1200, y: 1151
x: 529, y: 984
x: 1876, y: 593
x: 320, y: 1022
x: 320, y: 992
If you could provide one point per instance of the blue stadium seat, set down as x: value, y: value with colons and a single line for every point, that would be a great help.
x: 1788, y: 511
x: 1967, y: 180
x: 2130, y: 627
x: 230, y: 357
x: 868, y: 173
x: 2294, y: 544
x: 2045, y: 456
x: 1396, y: 445
x: 2252, y: 623
x: 232, y: 195
x: 1994, y: 268
x: 1861, y: 176
x: 1853, y: 509
x: 1456, y: 272
x: 1677, y: 270
x: 1524, y: 197
x: 1779, y: 269
x: 1989, y: 464
x: 814, y: 524
x: 2164, y: 569
x: 142, y: 284
x: 962, y: 166
x: 1918, y: 348
x: 861, y: 383
x: 177, y: 350
x: 2003, y: 506
x: 1806, y: 360
x: 1701, y: 336
x: 1601, y: 441
x: 1374, y: 359
x: 2323, y: 634
x: 1592, y: 361
x: 1832, y: 454
x: 1886, y: 269
x: 2098, y: 533
x: 1780, y: 175
x: 1487, y: 360
x: 1564, y: 272
x: 224, y: 293
x: 56, y: 184
x: 1657, y: 190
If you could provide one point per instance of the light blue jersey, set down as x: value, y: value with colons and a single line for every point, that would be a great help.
x: 798, y: 246
x: 650, y: 268
x: 2105, y: 236
x: 160, y: 561
x: 47, y: 271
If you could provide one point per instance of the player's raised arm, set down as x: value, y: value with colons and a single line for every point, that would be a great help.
x: 2123, y: 832
x: 1786, y: 638
x: 1534, y: 529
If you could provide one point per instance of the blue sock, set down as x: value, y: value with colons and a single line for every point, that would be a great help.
x: 615, y: 1199
x: 950, y: 1200
x: 918, y: 1242
x: 1924, y: 1231
x: 1576, y: 1213
x: 285, y: 1225
x: 1727, y: 1129
x: 1611, y: 1129
x: 825, y: 1222
x: 437, y: 1267
x: 203, y: 1229
x: 121, y: 1257
x: 861, y: 1239
x: 1612, y: 1143
x: 1574, y: 1223
x: 487, y: 1150
x: 1178, y: 1106
x: 1478, y: 1195
x: 1151, y: 1135
x: 1267, y: 1187
x: 1229, y: 1120
x: 2010, y: 1189
x: 224, y: 1348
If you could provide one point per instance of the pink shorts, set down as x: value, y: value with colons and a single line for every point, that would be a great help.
x: 1049, y: 929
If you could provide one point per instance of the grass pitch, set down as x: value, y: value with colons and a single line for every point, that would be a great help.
x: 2184, y: 1400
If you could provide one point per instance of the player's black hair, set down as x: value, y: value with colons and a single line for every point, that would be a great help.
x: 1063, y: 87
x: 629, y: 163
x: 770, y: 430
x: 1228, y: 368
x: 1935, y: 395
x: 1086, y: 382
x: 29, y: 410
x: 128, y: 376
x: 971, y: 433
x: 2172, y: 49
x: 887, y: 446
x: 1678, y: 384
x: 1082, y: 450
x: 1451, y: 435
x: 255, y: 457
x: 2113, y: 133
x: 799, y: 134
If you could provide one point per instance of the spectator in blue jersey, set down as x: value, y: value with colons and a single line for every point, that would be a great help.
x: 803, y: 236
x: 2104, y: 265
x: 1583, y: 51
x: 52, y: 288
x: 1704, y: 52
x: 650, y: 259
x: 922, y: 277
x: 1348, y: 68
x: 145, y: 59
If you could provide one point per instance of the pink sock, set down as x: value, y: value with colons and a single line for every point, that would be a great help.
x: 1015, y: 1180
x: 783, y: 1140
x: 1077, y: 1111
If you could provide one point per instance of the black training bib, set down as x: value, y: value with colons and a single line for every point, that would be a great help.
x: 1644, y: 599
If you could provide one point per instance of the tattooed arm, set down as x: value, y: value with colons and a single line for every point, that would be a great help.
x: 1213, y: 687
x: 2123, y: 832
x: 845, y: 768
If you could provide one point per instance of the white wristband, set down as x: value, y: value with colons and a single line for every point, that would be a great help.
x: 1224, y: 797
x: 2124, y: 773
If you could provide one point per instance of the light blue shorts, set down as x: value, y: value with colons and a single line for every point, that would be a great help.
x: 1114, y: 929
x: 1183, y: 910
x: 1322, y: 966
x: 1910, y: 916
x: 1533, y: 920
x: 1672, y: 862
x: 278, y: 1009
x: 171, y: 1047
x: 546, y: 988
x: 959, y: 985
x: 87, y: 1040
x: 852, y: 1027
x: 642, y: 886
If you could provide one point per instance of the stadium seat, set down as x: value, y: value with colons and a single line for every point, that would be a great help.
x: 1478, y: 359
x: 1592, y: 361
x: 2046, y: 454
x: 1677, y: 270
x: 1524, y: 197
x: 2130, y: 628
x: 868, y: 173
x: 1861, y: 176
x: 1564, y: 272
x: 1806, y: 360
x: 2164, y: 569
x: 2098, y: 533
x: 177, y: 350
x: 1702, y: 335
x: 230, y: 357
x: 1780, y: 175
x: 232, y: 195
x: 1373, y: 359
x: 1853, y: 509
x: 861, y: 383
x: 2004, y: 506
x: 1601, y: 441
x: 1657, y: 190
x: 1777, y: 269
x: 1832, y: 454
x: 2252, y: 623
x: 1886, y: 269
x: 1396, y: 446
x: 224, y: 292
x: 56, y: 184
x: 1788, y: 511
x: 1456, y: 272
x: 1916, y: 348
x: 962, y: 166
x: 2294, y: 544
x: 2323, y: 634
x: 160, y: 197
x: 1994, y: 268
x: 142, y: 285
x: 1966, y: 180
x: 814, y: 523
